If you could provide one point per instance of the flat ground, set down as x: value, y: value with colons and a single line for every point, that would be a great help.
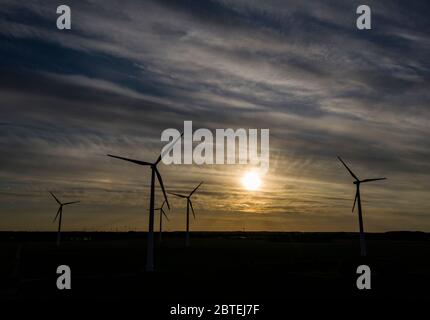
x: 216, y: 267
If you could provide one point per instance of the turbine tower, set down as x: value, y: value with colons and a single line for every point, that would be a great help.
x: 357, y: 200
x: 60, y: 214
x: 189, y: 204
x: 162, y: 213
x: 154, y: 171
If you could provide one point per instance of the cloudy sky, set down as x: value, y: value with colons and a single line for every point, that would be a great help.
x: 130, y: 69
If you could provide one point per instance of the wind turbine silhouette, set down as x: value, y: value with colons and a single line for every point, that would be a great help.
x: 357, y: 200
x: 162, y: 213
x: 189, y: 204
x: 60, y: 213
x: 154, y: 171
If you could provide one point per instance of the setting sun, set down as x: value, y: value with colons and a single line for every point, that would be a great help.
x: 251, y: 181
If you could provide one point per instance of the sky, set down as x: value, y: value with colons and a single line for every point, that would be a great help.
x: 127, y: 70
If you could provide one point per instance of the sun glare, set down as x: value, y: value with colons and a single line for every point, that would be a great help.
x: 251, y: 181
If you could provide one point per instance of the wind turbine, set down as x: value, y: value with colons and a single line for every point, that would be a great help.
x: 162, y: 213
x: 189, y: 204
x: 60, y: 213
x: 154, y: 171
x: 357, y: 200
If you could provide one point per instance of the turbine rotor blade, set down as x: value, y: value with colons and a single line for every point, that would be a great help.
x: 164, y: 214
x: 71, y: 202
x: 368, y: 180
x: 177, y: 194
x: 192, y: 209
x: 195, y: 189
x: 168, y: 149
x: 56, y: 216
x: 355, y: 200
x: 142, y: 163
x: 349, y: 170
x: 58, y: 201
x: 160, y: 180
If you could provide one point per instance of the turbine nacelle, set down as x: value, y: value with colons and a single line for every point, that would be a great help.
x: 357, y: 182
x: 154, y: 169
x: 61, y: 203
x: 188, y: 197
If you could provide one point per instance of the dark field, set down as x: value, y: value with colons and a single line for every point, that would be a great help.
x: 217, y: 268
